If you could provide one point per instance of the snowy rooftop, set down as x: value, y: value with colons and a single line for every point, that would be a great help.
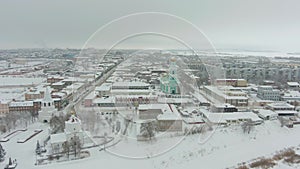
x: 127, y: 84
x: 174, y: 100
x: 280, y: 105
x: 225, y: 105
x: 222, y: 94
x: 165, y: 108
x: 125, y: 91
x: 170, y: 112
x: 55, y: 77
x: 200, y: 97
x: 103, y: 87
x: 136, y: 96
x: 286, y: 112
x: 19, y: 104
x: 60, y: 83
x: 296, y: 84
x: 74, y: 86
x: 153, y: 106
x: 60, y: 94
x: 265, y: 112
x: 230, y: 79
x: 169, y: 116
x: 223, y: 117
x: 291, y: 94
x: 265, y: 87
x: 73, y: 79
x: 104, y: 100
x: 196, y: 119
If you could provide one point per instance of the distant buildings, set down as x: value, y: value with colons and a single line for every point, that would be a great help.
x: 226, y: 108
x: 293, y: 86
x: 130, y: 88
x: 291, y: 95
x: 24, y: 106
x: 54, y: 79
x: 226, y: 94
x: 33, y: 94
x: 4, y: 107
x: 170, y: 120
x: 282, y: 109
x: 258, y: 69
x: 167, y: 116
x: 229, y: 118
x: 268, y: 93
x: 232, y: 82
x: 266, y: 114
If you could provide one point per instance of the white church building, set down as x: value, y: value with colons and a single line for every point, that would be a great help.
x: 72, y: 129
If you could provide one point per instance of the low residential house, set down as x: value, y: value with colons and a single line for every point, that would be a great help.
x: 170, y: 120
x: 225, y: 108
x: 282, y: 109
x: 229, y: 118
x: 293, y: 86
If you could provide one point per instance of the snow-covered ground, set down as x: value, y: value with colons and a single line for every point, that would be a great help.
x: 225, y: 147
x: 15, y: 81
x: 7, y: 94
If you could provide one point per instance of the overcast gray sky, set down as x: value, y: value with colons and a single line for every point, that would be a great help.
x: 233, y: 24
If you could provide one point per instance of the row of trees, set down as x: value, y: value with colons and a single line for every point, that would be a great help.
x: 57, y: 123
x: 16, y: 119
x: 148, y: 129
x: 247, y: 126
x: 2, y: 153
x: 73, y: 145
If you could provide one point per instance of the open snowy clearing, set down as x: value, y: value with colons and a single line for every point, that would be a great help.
x: 225, y: 148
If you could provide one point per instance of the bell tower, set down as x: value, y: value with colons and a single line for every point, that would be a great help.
x: 47, y: 108
x: 172, y: 68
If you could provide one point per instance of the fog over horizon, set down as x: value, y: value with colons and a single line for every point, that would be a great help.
x: 269, y: 25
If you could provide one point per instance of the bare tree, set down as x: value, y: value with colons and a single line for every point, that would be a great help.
x: 38, y: 148
x: 283, y: 121
x: 57, y: 123
x: 66, y: 148
x: 75, y: 145
x: 148, y: 130
x: 127, y: 121
x: 118, y: 126
x: 247, y: 126
x: 2, y: 153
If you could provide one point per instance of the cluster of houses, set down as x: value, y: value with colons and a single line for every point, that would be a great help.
x: 157, y: 98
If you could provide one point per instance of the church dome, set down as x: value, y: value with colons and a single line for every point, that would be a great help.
x: 173, y: 59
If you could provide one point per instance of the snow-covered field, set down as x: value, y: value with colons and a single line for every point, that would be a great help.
x: 7, y: 94
x: 15, y: 81
x: 226, y: 147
